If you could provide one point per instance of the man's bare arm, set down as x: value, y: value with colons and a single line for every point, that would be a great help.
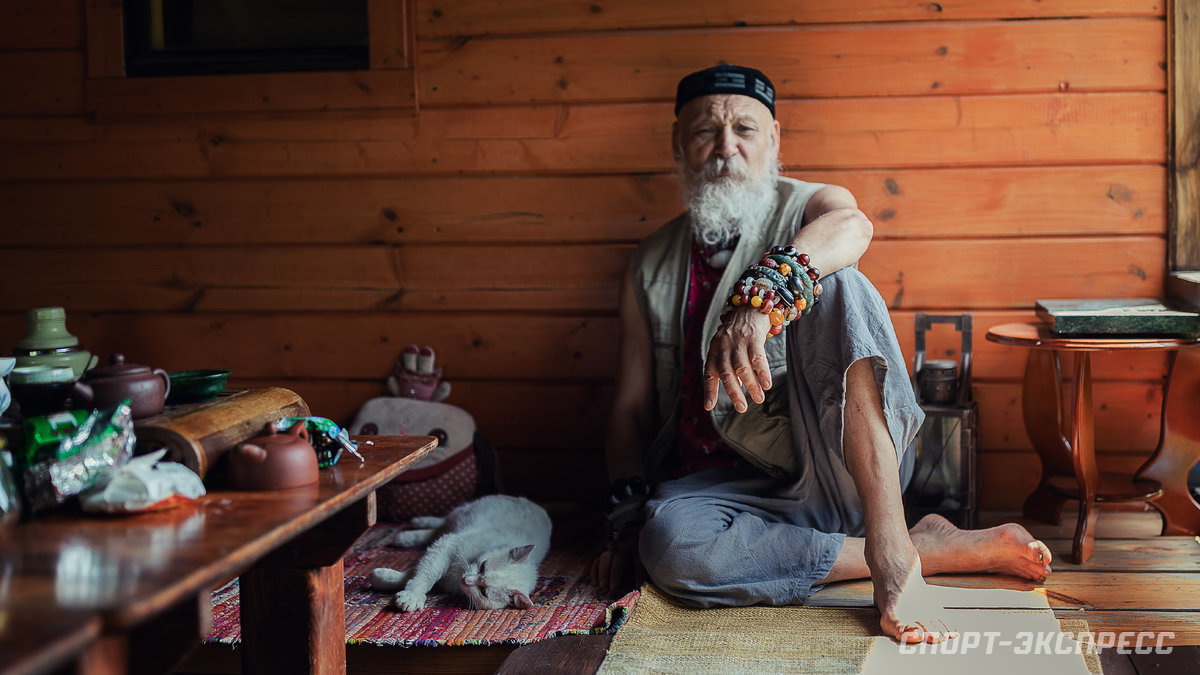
x: 836, y: 235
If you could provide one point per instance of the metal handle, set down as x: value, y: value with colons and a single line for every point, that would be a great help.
x: 962, y: 323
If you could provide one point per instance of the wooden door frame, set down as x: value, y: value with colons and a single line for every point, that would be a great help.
x: 1183, y: 109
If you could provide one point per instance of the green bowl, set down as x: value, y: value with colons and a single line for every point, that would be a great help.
x: 193, y: 386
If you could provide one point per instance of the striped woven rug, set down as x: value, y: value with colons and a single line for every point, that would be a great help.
x: 565, y: 604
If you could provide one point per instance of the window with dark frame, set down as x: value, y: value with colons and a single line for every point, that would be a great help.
x: 223, y: 37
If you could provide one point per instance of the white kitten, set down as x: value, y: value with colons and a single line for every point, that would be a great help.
x: 487, y: 550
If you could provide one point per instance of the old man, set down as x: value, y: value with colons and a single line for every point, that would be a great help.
x: 760, y: 439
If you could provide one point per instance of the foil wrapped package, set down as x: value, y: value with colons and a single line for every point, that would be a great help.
x: 67, y: 453
x: 326, y: 437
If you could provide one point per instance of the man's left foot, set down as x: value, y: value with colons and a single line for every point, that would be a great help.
x: 1004, y: 549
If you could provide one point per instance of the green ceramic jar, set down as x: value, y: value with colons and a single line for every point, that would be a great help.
x: 47, y: 330
x: 48, y: 343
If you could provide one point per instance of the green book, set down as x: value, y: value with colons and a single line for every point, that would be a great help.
x: 1117, y: 316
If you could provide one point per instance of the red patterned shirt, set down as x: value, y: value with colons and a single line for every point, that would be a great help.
x: 698, y: 446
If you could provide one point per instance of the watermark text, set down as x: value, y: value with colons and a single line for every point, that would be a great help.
x: 1046, y: 642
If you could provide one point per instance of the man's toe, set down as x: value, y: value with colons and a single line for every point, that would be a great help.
x: 911, y: 634
x: 1038, y: 552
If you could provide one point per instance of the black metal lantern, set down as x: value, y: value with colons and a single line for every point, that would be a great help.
x: 945, y: 476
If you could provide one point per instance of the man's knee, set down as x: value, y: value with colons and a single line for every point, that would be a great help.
x: 850, y: 287
x: 677, y: 548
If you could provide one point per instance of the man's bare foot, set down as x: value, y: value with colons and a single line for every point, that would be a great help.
x: 1004, y: 549
x: 908, y: 607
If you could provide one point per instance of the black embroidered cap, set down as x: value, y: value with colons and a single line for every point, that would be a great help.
x: 726, y: 79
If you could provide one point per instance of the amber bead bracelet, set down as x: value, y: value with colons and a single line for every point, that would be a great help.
x: 782, y: 285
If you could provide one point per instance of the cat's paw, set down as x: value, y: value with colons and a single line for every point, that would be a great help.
x: 386, y: 579
x: 409, y: 601
x: 412, y: 538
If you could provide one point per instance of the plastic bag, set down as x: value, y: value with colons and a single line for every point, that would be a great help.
x: 144, y: 484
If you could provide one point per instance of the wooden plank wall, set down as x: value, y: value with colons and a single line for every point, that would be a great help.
x: 1005, y: 151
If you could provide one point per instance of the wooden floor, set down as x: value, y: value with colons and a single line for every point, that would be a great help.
x: 1135, y: 581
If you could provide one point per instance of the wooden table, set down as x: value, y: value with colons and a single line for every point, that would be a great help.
x: 1066, y: 445
x: 133, y: 594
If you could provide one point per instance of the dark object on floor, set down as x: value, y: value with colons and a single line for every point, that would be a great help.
x: 945, y: 473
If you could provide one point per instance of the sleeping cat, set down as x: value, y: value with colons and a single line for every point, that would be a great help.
x: 487, y: 550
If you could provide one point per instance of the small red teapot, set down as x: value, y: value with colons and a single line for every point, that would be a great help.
x: 275, y: 461
x: 105, y: 387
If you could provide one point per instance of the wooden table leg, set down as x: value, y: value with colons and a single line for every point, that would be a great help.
x: 293, y: 603
x: 108, y: 655
x: 1083, y: 452
x: 1178, y: 445
x: 1042, y: 409
x: 156, y: 645
x: 293, y: 620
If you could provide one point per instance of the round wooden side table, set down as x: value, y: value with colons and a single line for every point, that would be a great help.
x: 1066, y: 444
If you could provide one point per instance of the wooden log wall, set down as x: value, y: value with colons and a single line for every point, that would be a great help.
x: 1006, y: 152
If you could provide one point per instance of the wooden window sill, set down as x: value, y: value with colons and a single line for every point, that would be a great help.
x: 257, y: 92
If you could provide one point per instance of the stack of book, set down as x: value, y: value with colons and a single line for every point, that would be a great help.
x: 1115, y: 317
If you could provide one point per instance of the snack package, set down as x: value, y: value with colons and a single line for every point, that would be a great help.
x: 144, y: 484
x: 326, y: 437
x: 67, y: 453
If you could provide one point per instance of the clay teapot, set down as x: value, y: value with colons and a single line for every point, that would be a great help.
x: 146, y: 387
x: 275, y: 461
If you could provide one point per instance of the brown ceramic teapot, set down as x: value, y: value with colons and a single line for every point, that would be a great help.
x: 105, y: 387
x: 275, y: 461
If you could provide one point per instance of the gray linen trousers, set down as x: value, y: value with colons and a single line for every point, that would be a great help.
x: 736, y: 537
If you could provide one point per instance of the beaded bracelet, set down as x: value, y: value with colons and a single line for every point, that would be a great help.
x: 782, y: 285
x: 779, y: 282
x: 802, y: 283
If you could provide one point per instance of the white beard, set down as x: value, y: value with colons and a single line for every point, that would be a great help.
x: 722, y: 207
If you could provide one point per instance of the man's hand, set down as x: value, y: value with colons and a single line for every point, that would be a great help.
x: 617, y: 566
x: 736, y: 359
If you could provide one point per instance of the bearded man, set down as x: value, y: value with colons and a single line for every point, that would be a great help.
x: 762, y: 502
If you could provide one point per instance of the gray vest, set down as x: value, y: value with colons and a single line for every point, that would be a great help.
x: 660, y: 271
